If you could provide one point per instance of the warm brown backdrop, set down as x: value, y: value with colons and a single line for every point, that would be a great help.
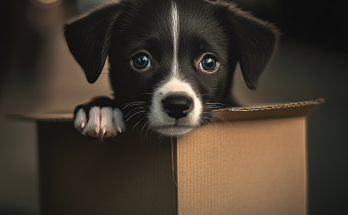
x: 37, y: 74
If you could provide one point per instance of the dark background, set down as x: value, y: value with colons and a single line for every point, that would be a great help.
x: 37, y: 74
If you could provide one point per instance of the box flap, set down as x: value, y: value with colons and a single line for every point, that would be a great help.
x: 43, y: 116
x: 230, y: 114
x: 270, y: 111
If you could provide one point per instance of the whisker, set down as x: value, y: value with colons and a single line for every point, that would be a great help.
x: 213, y: 108
x: 221, y: 117
x: 135, y: 114
x: 215, y: 103
x: 143, y: 127
x: 147, y: 131
x: 140, y: 115
x: 138, y: 123
x: 207, y: 119
x: 209, y: 105
x: 202, y: 123
x: 131, y: 104
x: 131, y: 111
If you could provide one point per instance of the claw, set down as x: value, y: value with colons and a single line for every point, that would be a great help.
x: 118, y: 120
x: 96, y: 129
x: 81, y: 127
x: 104, y: 130
x: 80, y: 120
x: 107, y: 133
x: 99, y: 134
x: 119, y: 129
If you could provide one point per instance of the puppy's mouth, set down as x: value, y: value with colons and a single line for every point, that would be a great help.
x: 174, y: 130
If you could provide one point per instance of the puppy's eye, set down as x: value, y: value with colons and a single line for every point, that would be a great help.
x: 208, y: 63
x: 141, y: 61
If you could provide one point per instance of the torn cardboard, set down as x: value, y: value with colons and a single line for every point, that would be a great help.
x: 255, y: 163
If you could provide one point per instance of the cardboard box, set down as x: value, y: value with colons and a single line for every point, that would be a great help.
x: 255, y: 163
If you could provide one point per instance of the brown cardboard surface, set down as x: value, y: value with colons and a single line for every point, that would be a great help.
x: 243, y: 167
x: 252, y: 164
x: 123, y: 175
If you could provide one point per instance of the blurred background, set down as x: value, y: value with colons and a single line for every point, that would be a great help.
x: 38, y: 74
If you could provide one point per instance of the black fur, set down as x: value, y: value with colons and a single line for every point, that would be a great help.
x: 119, y: 30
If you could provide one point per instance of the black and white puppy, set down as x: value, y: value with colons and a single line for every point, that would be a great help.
x: 171, y: 61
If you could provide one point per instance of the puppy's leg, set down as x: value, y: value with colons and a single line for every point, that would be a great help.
x: 99, y: 118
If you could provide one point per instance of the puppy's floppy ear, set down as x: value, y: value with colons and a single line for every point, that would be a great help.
x: 88, y: 38
x: 254, y: 39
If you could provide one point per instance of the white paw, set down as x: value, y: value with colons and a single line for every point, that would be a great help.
x: 103, y: 122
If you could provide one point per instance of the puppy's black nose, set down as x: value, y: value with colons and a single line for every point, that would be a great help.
x: 177, y: 106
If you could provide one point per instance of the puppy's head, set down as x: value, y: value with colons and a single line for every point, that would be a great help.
x: 172, y: 60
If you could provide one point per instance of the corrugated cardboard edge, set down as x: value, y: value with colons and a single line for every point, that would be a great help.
x: 302, y: 108
x: 59, y: 117
x: 295, y: 109
x: 274, y: 106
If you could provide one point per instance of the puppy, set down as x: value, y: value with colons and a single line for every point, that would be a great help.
x: 171, y: 61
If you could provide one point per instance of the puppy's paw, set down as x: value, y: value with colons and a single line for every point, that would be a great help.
x: 98, y: 121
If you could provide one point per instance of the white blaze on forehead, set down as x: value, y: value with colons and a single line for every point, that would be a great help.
x: 175, y: 34
x: 158, y: 116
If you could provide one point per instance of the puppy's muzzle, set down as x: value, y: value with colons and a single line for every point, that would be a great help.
x: 177, y: 105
